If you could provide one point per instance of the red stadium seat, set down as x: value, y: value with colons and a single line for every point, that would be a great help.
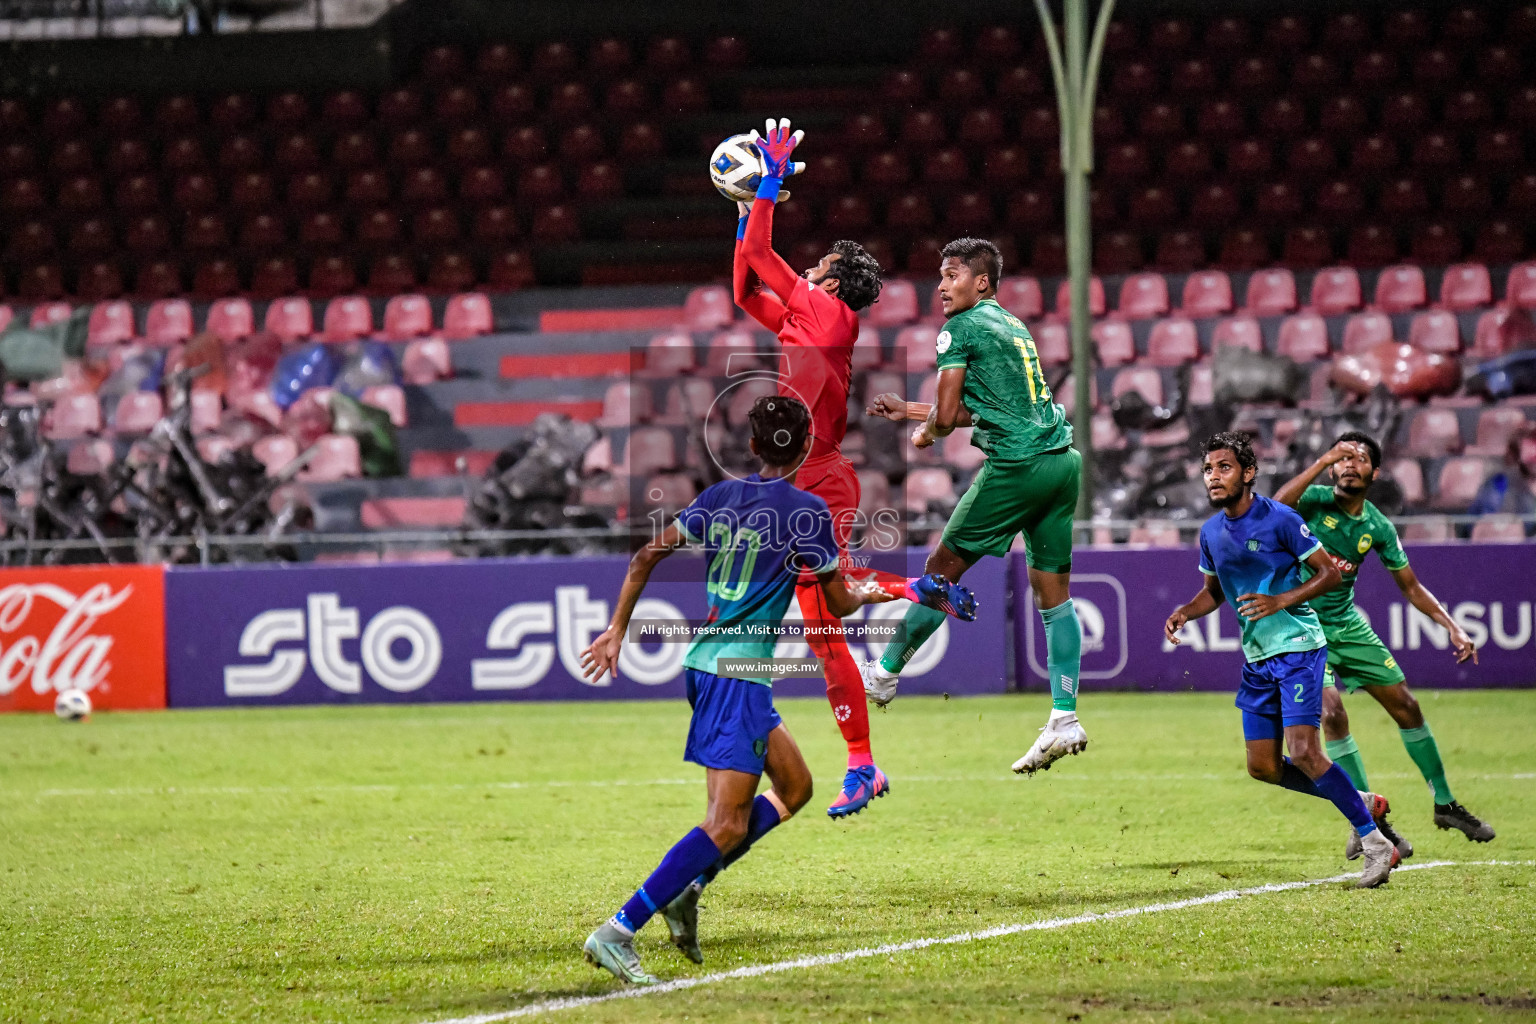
x: 1400, y: 288
x: 435, y: 227
x: 1215, y: 203
x: 1173, y: 342
x: 1497, y: 428
x: 263, y: 232
x: 1466, y: 286
x: 1433, y: 433
x: 291, y: 319
x: 1270, y: 293
x: 157, y: 279
x: 347, y: 318
x: 1113, y: 342
x: 1458, y: 482
x: 1335, y: 290
x: 1303, y: 337
x: 46, y: 313
x: 205, y: 231
x: 215, y: 279
x: 168, y: 322
x: 1021, y: 296
x: 1238, y: 332
x: 896, y: 306
x: 137, y: 413
x: 231, y: 319
x: 1499, y: 242
x: 1143, y: 296
x: 1366, y: 330
x: 1466, y: 194
x: 407, y: 317
x: 321, y: 229
x: 1052, y: 343
x: 1520, y: 289
x: 510, y: 270
x: 353, y: 151
x: 1096, y: 303
x: 1142, y: 379
x: 110, y: 323
x: 1373, y: 156
x: 425, y: 360
x: 1435, y: 331
x: 274, y: 277
x: 99, y: 281
x: 337, y: 458
x: 73, y: 416
x: 1340, y: 199
x: 1180, y: 251
x: 1436, y: 243
x: 1371, y: 245
x: 392, y: 273
x: 1207, y: 293
x: 41, y: 282
x: 467, y: 315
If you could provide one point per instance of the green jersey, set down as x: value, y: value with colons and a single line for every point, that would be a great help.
x: 1010, y: 403
x: 1347, y: 540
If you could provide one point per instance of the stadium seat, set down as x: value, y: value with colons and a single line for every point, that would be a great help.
x: 1052, y: 343
x: 110, y: 323
x: 1409, y: 475
x: 1466, y: 286
x: 1021, y: 296
x: 1458, y: 482
x: 291, y: 319
x: 388, y: 397
x: 274, y: 452
x: 1436, y: 242
x: 669, y: 353
x: 1499, y: 529
x: 649, y: 450
x: 1237, y: 332
x: 230, y: 319
x: 89, y: 457
x: 1154, y: 533
x: 207, y: 411
x: 1113, y: 342
x: 1303, y: 337
x: 1520, y: 289
x: 137, y: 413
x: 391, y: 272
x: 928, y: 486
x: 1502, y: 330
x: 425, y: 360
x: 1496, y: 428
x: 1306, y: 247
x: 1435, y: 331
x: 467, y: 315
x: 625, y: 404
x: 1433, y: 433
x: 1400, y: 288
x: 1142, y: 296
x: 407, y: 317
x: 1270, y: 293
x: 168, y: 321
x: 1335, y: 290
x: 1173, y: 342
x: 337, y: 458
x: 1207, y: 293
x: 1363, y: 330
x: 73, y: 416
x: 1096, y: 303
x: 708, y: 308
x: 347, y: 318
x: 896, y: 306
x: 1145, y: 380
x: 734, y: 350
x: 916, y: 348
x: 7, y: 314
x: 47, y: 313
x: 686, y: 402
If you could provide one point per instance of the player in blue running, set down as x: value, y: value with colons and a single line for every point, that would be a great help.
x: 1252, y: 552
x: 760, y: 534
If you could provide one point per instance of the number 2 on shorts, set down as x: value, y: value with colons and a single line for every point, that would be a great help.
x: 1299, y: 688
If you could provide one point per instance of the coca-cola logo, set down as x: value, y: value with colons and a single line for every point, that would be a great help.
x: 70, y: 656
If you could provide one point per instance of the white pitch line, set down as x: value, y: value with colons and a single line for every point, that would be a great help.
x: 617, y: 783
x: 824, y: 959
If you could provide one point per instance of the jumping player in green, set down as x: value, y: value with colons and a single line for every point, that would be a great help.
x: 1349, y: 528
x: 990, y: 378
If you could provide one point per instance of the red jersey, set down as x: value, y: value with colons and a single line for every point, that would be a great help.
x: 817, y: 330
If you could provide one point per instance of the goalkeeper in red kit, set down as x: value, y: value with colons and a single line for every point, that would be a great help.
x: 815, y: 316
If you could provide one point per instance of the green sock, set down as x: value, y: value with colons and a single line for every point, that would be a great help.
x: 1426, y: 754
x: 1346, y: 755
x: 1063, y: 653
x: 921, y: 623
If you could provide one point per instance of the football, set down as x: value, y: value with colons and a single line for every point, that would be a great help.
x: 736, y: 167
x: 72, y: 705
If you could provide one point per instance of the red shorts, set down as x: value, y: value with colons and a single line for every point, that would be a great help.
x: 832, y: 479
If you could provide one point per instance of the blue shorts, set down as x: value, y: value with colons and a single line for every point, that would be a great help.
x: 1280, y: 691
x: 731, y: 722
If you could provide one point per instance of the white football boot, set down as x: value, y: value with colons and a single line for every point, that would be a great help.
x: 1060, y: 736
x: 878, y: 687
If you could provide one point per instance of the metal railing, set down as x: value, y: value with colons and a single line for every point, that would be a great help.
x: 21, y: 20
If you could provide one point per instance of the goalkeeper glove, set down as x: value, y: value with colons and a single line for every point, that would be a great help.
x: 777, y: 148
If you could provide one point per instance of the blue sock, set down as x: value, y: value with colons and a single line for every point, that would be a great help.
x: 1336, y: 786
x: 693, y: 853
x: 1297, y: 781
x: 765, y: 817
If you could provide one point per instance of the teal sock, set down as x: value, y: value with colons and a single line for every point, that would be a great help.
x: 1426, y: 754
x: 1346, y: 755
x: 919, y: 625
x: 1063, y: 653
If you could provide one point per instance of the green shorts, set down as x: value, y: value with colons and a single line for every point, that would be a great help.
x: 1357, y: 657
x: 1035, y: 496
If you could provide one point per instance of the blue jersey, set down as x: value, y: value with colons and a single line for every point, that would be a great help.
x: 760, y: 535
x: 1261, y: 552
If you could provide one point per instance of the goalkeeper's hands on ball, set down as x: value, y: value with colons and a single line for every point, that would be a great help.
x: 777, y: 148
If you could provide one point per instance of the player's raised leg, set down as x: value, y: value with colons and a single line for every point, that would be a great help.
x: 786, y: 768
x: 1342, y: 751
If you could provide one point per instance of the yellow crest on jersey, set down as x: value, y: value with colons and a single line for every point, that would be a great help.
x: 1330, y: 521
x: 1364, y: 545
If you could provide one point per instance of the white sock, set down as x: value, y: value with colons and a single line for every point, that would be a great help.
x: 881, y: 674
x: 619, y: 927
x: 1057, y: 714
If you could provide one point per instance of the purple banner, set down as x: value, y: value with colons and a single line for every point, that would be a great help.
x: 502, y: 629
x: 1123, y: 598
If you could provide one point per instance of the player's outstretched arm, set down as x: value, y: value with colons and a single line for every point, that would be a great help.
x: 1419, y: 596
x: 778, y: 148
x: 1295, y: 487
x: 748, y: 287
x: 1325, y: 576
x: 1202, y: 604
x: 948, y: 412
x: 602, y: 655
x: 844, y: 597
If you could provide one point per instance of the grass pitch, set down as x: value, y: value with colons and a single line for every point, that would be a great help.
x: 413, y: 864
